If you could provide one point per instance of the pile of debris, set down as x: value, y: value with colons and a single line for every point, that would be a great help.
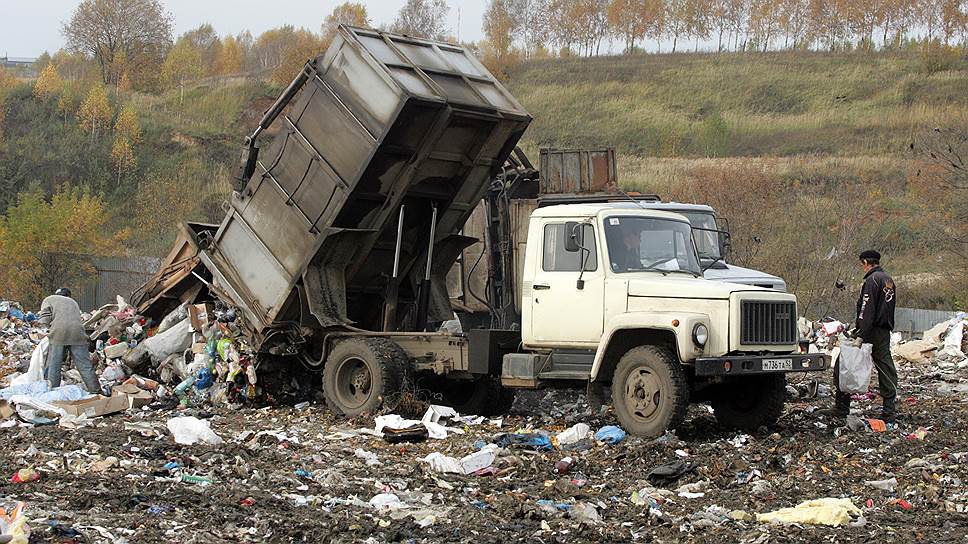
x: 18, y: 338
x: 944, y: 346
x: 195, y: 355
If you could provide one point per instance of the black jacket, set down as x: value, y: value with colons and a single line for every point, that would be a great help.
x: 875, y: 307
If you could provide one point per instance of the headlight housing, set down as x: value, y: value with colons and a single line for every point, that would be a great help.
x: 700, y: 334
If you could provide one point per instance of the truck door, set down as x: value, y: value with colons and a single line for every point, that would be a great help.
x: 561, y: 313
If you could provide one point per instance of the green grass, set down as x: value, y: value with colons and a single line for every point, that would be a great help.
x: 733, y: 105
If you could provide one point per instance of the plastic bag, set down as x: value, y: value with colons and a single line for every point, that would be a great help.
x: 610, y: 434
x: 191, y: 430
x: 38, y: 363
x: 855, y: 368
x: 175, y: 340
x: 176, y: 316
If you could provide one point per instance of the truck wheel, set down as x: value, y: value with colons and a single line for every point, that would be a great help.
x: 363, y: 374
x: 480, y: 397
x: 649, y: 391
x: 751, y: 402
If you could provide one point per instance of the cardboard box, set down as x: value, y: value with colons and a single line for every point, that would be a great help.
x: 201, y: 315
x: 137, y: 397
x: 198, y: 347
x: 6, y: 410
x: 95, y: 406
x: 116, y: 351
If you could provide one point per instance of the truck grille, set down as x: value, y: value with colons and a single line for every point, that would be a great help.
x: 768, y: 323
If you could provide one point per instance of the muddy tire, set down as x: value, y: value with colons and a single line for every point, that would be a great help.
x: 363, y: 375
x: 481, y: 397
x: 649, y: 391
x: 751, y: 402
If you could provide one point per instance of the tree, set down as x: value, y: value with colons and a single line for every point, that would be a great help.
x: 625, y: 18
x: 793, y: 22
x: 138, y: 30
x: 763, y: 22
x: 676, y: 20
x: 422, y: 19
x: 183, y: 64
x: 67, y: 101
x: 49, y: 83
x: 272, y: 45
x: 231, y: 58
x: 43, y: 242
x: 500, y: 26
x: 122, y: 156
x: 347, y: 13
x: 127, y: 125
x: 305, y: 46
x: 206, y: 41
x: 96, y: 110
x: 564, y: 25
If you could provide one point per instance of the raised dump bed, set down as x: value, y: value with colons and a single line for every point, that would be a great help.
x: 378, y: 122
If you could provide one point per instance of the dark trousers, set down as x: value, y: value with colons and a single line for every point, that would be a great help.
x: 82, y: 362
x: 883, y: 362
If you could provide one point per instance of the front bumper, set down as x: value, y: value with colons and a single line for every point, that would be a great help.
x: 738, y: 365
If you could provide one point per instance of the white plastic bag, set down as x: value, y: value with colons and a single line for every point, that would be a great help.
x: 856, y: 364
x: 191, y: 430
x: 38, y: 362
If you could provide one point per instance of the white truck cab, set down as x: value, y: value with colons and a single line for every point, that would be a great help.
x: 711, y: 245
x: 615, y: 293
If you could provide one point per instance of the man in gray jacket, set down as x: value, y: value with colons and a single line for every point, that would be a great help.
x: 63, y: 316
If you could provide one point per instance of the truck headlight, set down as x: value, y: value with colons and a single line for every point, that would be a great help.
x: 700, y: 334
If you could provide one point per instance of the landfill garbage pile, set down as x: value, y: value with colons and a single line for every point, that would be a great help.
x: 552, y: 470
x: 18, y: 338
x: 943, y: 346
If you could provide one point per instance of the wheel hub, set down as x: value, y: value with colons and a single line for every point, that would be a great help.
x: 642, y: 391
x: 353, y: 382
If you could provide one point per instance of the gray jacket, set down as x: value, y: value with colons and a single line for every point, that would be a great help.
x: 63, y: 316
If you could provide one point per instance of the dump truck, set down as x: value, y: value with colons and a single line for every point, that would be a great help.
x: 339, y: 237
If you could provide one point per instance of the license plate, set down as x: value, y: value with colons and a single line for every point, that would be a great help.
x: 777, y: 364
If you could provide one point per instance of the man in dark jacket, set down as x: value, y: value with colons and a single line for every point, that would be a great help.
x: 61, y: 313
x: 875, y: 321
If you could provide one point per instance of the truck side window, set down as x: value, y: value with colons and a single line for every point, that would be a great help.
x: 557, y: 259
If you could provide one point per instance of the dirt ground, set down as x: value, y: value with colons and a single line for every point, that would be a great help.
x: 257, y: 495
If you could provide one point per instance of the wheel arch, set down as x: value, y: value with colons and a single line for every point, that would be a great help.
x: 622, y: 340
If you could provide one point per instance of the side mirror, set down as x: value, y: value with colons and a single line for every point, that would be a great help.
x: 572, y: 236
x: 725, y: 244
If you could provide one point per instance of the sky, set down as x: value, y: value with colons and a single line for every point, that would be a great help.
x: 30, y: 27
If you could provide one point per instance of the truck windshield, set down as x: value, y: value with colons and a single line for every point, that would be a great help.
x: 707, y: 241
x: 637, y: 244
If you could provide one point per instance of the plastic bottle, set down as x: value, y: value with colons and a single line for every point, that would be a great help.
x: 192, y: 479
x: 563, y: 466
x: 184, y: 385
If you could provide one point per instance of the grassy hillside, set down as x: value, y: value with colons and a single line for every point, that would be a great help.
x: 806, y: 153
x: 729, y: 105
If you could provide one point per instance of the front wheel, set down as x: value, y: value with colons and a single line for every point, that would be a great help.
x: 750, y: 402
x: 649, y: 391
x: 362, y: 375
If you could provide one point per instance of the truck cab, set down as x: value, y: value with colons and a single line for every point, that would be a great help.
x: 712, y: 243
x: 615, y: 293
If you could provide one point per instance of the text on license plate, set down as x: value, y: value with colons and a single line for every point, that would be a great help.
x: 777, y: 364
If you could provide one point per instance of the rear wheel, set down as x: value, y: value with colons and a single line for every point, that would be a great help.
x: 750, y: 402
x: 362, y: 375
x: 649, y: 391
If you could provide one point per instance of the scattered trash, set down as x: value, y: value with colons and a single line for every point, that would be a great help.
x: 25, y: 475
x: 826, y: 511
x: 573, y: 434
x: 564, y: 465
x: 610, y: 434
x: 884, y: 485
x: 668, y: 473
x: 191, y: 430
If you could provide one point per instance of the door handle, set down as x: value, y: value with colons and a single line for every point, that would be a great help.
x: 540, y: 287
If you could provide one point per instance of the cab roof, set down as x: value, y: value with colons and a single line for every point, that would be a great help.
x: 593, y: 210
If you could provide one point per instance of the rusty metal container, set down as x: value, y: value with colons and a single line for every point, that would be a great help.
x: 578, y: 171
x: 380, y: 121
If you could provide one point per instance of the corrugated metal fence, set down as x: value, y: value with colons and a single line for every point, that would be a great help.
x: 114, y: 276
x: 915, y: 321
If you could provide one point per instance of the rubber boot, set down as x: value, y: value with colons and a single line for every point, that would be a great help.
x: 841, y: 406
x: 889, y: 411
